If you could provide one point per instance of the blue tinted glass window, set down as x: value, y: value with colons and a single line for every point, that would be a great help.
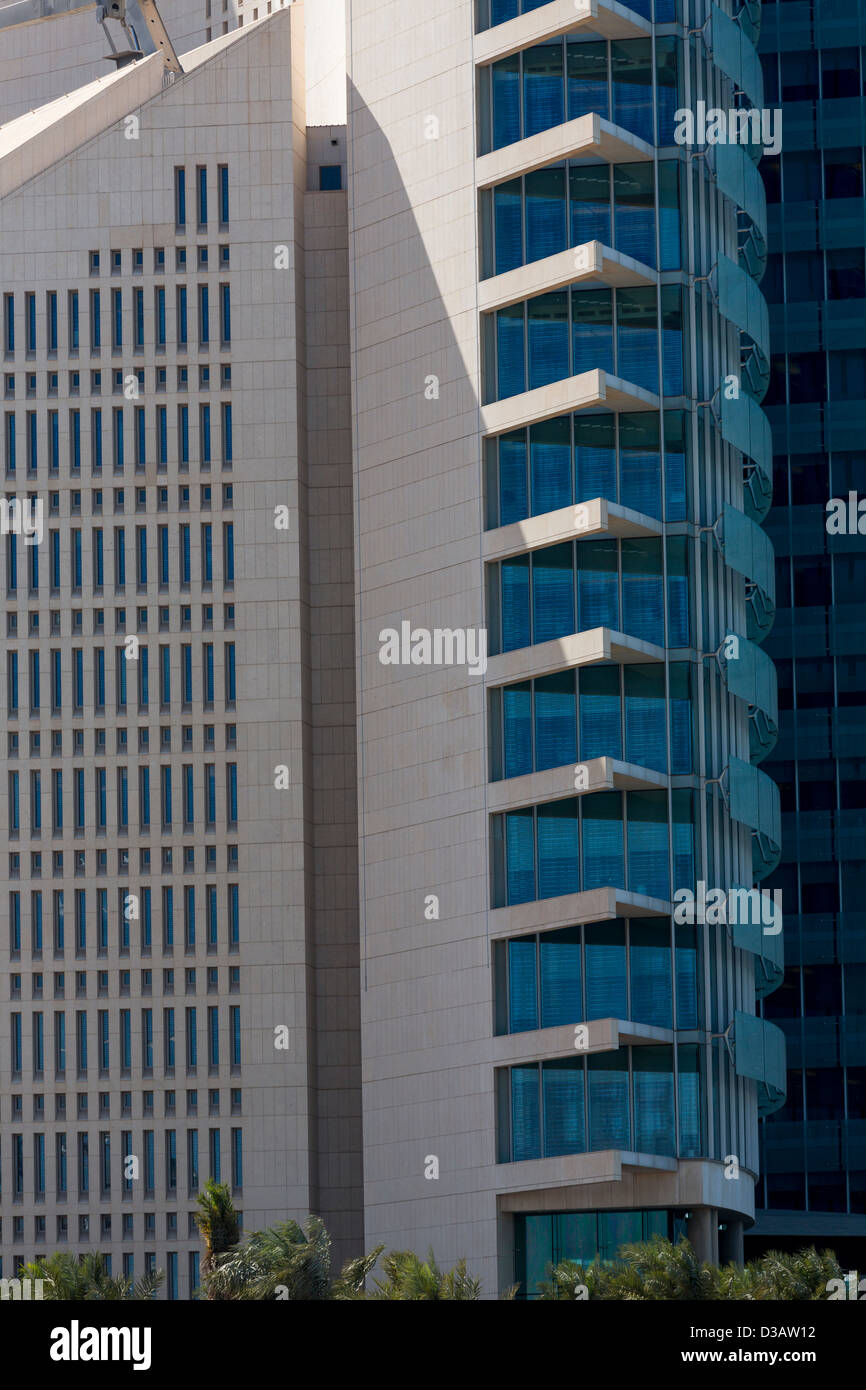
x: 689, y: 1085
x: 547, y: 334
x: 555, y: 720
x: 520, y: 852
x: 687, y: 977
x: 553, y: 592
x: 525, y: 1114
x: 597, y: 604
x: 637, y: 337
x: 669, y: 215
x: 562, y: 1087
x: 632, y: 77
x: 679, y: 693
x: 650, y: 962
x: 605, y: 947
x: 513, y: 490
x: 510, y: 352
x: 550, y: 464
x: 672, y: 340
x: 648, y: 844
x: 634, y: 210
x: 543, y: 91
x: 589, y: 203
x: 594, y: 457
x: 517, y: 704
x: 591, y: 331
x: 602, y: 829
x: 545, y: 212
x: 607, y: 1081
x: 642, y: 590
x: 558, y: 869
x: 506, y: 221
x: 559, y: 958
x: 522, y: 985
x: 653, y: 1082
x: 587, y: 79
x: 645, y: 717
x: 505, y: 85
x: 515, y: 602
x: 600, y: 714
x: 640, y: 464
x: 678, y: 592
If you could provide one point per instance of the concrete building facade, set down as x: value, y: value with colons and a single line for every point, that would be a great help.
x: 430, y: 985
x: 813, y: 1174
x: 559, y: 350
x: 179, y: 935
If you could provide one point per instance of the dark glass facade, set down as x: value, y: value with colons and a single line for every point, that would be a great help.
x: 813, y: 1179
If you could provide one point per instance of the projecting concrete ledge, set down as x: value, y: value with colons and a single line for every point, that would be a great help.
x: 596, y: 905
x: 604, y: 17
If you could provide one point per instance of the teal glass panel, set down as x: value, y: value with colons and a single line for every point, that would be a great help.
x: 555, y: 720
x: 525, y: 1114
x: 597, y: 602
x: 689, y: 1082
x: 602, y: 831
x: 643, y: 590
x: 637, y: 358
x: 520, y: 856
x: 607, y: 1079
x: 558, y: 862
x: 546, y: 231
x: 600, y: 713
x: 553, y: 592
x: 562, y: 1083
x: 653, y: 1084
x: 513, y: 489
x: 589, y: 203
x: 559, y: 956
x: 606, y: 995
x: 592, y: 331
x: 645, y: 717
x: 594, y: 457
x: 687, y: 977
x: 634, y: 211
x: 522, y: 985
x: 640, y: 464
x: 550, y: 465
x: 547, y: 338
x: 586, y: 65
x: 680, y: 706
x: 650, y: 962
x: 517, y: 729
x: 648, y: 844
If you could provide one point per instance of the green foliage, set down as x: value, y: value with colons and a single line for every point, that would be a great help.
x: 407, y: 1277
x: 217, y: 1222
x: 657, y: 1270
x: 68, y: 1279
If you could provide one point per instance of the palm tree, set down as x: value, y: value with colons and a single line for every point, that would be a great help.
x: 217, y: 1222
x: 68, y: 1279
x: 287, y: 1262
x: 659, y: 1270
x: 407, y: 1277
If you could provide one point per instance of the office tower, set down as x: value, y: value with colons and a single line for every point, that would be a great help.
x: 813, y: 1184
x: 559, y: 349
x: 178, y: 944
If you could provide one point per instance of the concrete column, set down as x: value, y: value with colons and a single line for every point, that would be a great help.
x: 704, y: 1235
